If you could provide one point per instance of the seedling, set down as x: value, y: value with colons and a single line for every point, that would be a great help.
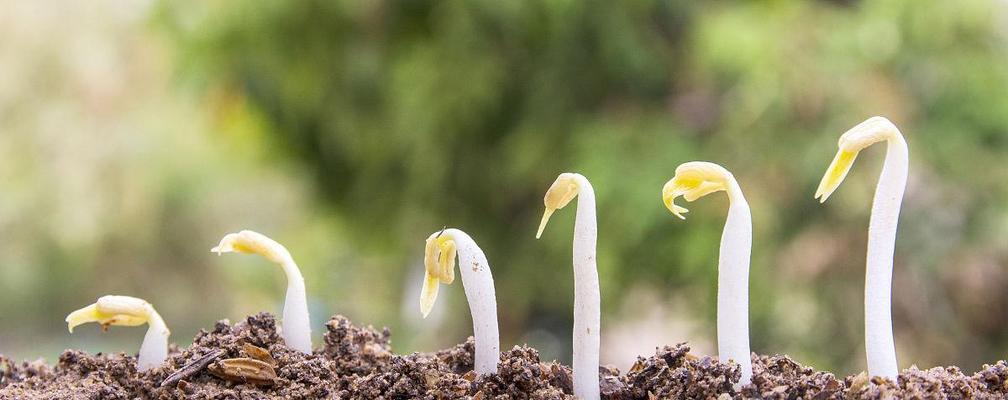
x: 882, y: 225
x: 296, y: 327
x: 128, y: 311
x: 439, y: 261
x: 694, y: 180
x: 586, y: 281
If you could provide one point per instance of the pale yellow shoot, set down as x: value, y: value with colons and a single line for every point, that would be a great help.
x: 128, y: 311
x: 692, y: 181
x: 113, y: 311
x: 439, y: 264
x: 871, y: 131
x: 250, y: 242
x: 835, y: 174
x: 563, y: 190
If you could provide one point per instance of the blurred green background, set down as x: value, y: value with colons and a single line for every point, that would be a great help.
x: 133, y: 136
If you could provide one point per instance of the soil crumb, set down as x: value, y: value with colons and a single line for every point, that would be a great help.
x: 359, y: 363
x: 674, y: 373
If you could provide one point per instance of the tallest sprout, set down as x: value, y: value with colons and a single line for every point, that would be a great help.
x: 296, y: 327
x: 694, y: 180
x: 586, y: 281
x: 879, y: 346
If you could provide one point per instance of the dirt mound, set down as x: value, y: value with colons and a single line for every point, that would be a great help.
x: 248, y: 360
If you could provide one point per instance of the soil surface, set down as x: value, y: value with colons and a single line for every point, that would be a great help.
x: 248, y: 360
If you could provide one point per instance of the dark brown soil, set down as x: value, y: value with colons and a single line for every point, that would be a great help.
x: 358, y: 363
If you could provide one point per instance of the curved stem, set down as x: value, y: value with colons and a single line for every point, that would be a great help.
x: 481, y: 295
x: 879, y: 345
x: 586, y: 295
x: 154, y: 349
x: 733, y: 284
x: 694, y: 180
x: 296, y: 325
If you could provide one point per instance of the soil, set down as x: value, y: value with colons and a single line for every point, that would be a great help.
x: 358, y: 363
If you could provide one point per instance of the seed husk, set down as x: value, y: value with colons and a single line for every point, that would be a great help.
x: 259, y: 353
x: 245, y: 370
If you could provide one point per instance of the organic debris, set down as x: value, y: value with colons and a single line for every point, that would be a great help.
x: 246, y: 370
x: 192, y: 368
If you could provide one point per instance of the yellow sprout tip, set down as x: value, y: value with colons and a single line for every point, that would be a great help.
x: 542, y: 223
x: 251, y: 242
x: 678, y: 212
x: 835, y: 174
x: 82, y: 316
x: 428, y: 294
x: 112, y: 310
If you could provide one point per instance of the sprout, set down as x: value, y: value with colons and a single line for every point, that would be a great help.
x: 128, y: 311
x: 439, y: 261
x: 881, y: 231
x: 586, y: 282
x: 694, y: 180
x: 296, y: 327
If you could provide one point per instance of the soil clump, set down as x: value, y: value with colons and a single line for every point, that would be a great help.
x: 248, y: 360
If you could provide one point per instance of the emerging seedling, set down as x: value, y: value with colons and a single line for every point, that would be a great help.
x: 296, y: 326
x: 694, y: 180
x: 439, y: 261
x: 586, y: 281
x: 881, y: 231
x: 128, y: 311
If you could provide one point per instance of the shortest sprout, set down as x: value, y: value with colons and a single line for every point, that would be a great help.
x: 128, y: 311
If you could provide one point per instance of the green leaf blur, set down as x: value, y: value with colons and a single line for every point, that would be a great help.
x: 351, y: 130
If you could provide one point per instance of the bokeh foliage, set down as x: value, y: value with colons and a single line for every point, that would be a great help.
x: 412, y: 115
x: 406, y: 116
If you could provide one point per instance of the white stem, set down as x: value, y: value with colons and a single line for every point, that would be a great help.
x: 296, y: 326
x: 479, y: 289
x: 154, y: 349
x: 879, y: 344
x: 586, y: 295
x: 733, y: 284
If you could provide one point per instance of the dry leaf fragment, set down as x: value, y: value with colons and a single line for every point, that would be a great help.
x: 859, y: 381
x: 637, y: 367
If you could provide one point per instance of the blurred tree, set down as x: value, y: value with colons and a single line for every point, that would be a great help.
x: 413, y: 115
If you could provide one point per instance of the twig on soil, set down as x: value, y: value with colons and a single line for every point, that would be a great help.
x: 192, y: 368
